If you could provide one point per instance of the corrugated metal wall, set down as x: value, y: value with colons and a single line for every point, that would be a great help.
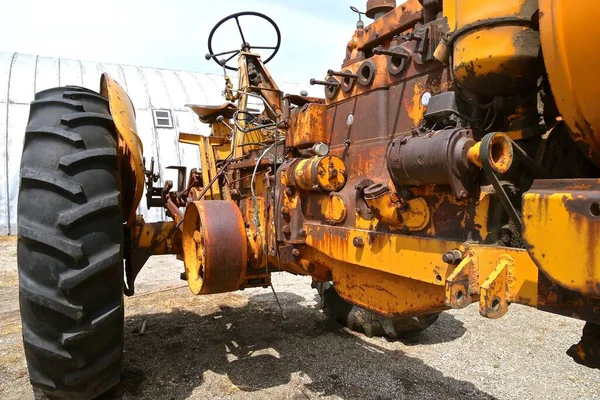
x: 22, y: 75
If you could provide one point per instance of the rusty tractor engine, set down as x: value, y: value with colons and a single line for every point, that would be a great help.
x: 453, y: 159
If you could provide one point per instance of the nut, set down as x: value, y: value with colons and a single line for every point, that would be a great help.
x: 358, y: 241
x: 452, y: 257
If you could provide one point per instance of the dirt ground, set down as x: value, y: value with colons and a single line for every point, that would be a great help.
x: 240, y: 346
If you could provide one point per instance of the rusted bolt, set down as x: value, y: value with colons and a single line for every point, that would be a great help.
x: 289, y: 191
x: 286, y: 229
x: 302, y: 232
x: 285, y: 210
x: 295, y: 252
x: 452, y: 257
x: 358, y: 241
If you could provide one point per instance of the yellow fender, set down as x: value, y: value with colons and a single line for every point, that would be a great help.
x: 571, y: 62
x: 130, y: 146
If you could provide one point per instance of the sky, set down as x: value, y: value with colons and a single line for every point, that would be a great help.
x: 173, y: 34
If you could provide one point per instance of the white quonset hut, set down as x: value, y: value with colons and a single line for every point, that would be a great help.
x: 159, y: 97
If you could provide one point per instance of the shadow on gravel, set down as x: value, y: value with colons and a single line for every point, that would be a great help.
x: 258, y: 350
x: 445, y: 329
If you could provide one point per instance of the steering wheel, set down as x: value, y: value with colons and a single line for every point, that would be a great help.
x: 245, y: 45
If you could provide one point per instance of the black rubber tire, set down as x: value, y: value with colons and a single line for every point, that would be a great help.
x: 69, y: 250
x: 371, y: 324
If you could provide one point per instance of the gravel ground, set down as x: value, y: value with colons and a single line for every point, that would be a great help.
x: 239, y: 346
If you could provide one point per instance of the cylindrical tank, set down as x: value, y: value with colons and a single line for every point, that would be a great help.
x: 495, y: 48
x: 326, y: 173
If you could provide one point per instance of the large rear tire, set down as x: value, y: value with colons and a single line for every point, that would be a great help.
x: 69, y: 251
x: 360, y: 320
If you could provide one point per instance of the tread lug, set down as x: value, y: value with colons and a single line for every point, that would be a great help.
x: 46, y: 348
x: 83, y: 375
x: 71, y: 160
x: 88, y: 118
x: 68, y: 135
x: 68, y: 247
x: 46, y: 178
x: 76, y: 95
x: 58, y: 101
x: 47, y: 298
x: 71, y: 279
x: 73, y: 337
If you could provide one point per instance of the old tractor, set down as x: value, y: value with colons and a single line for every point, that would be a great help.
x: 453, y: 159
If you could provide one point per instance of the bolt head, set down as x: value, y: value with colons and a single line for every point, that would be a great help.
x: 358, y: 241
x: 448, y: 258
x: 295, y: 252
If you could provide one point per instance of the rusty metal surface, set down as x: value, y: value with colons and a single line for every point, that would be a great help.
x: 461, y: 283
x: 208, y: 113
x: 570, y: 210
x: 145, y: 240
x: 214, y: 248
x: 433, y: 157
x: 327, y: 173
x: 493, y: 302
x: 493, y: 276
x: 379, y: 6
x: 495, y: 47
x: 130, y: 145
x: 554, y: 298
x: 419, y: 246
x: 574, y: 83
x: 308, y: 124
x: 394, y: 22
x: 378, y: 291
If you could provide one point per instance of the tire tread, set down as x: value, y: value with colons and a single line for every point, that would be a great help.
x: 70, y: 245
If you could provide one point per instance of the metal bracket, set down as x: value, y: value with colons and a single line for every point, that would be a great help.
x: 181, y: 176
x: 493, y: 300
x: 457, y: 288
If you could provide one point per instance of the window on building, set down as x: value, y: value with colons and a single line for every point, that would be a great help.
x: 162, y: 118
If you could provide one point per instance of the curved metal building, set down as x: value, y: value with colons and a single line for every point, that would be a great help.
x: 159, y: 97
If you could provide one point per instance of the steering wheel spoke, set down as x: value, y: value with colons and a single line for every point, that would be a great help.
x: 245, y: 44
x: 237, y: 21
x: 223, y: 62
